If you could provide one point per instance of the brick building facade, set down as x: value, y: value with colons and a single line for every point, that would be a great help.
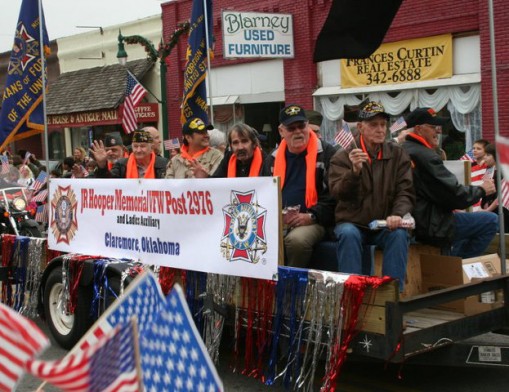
x: 303, y: 78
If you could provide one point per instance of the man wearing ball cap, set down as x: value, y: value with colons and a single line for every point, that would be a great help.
x: 141, y: 163
x: 440, y: 195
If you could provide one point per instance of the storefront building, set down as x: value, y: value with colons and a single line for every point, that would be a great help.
x: 435, y: 54
x: 86, y: 87
x: 86, y: 101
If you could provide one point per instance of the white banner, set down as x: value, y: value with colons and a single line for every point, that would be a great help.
x: 223, y: 226
x: 255, y: 34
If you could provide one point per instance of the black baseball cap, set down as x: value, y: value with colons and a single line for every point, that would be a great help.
x: 292, y: 113
x: 372, y: 109
x: 422, y: 116
x: 113, y: 139
x: 194, y: 124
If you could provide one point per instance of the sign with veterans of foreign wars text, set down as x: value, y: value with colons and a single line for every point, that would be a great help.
x: 254, y: 34
x: 401, y: 62
x: 223, y: 226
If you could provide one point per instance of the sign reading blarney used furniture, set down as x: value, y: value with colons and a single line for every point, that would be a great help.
x: 253, y: 34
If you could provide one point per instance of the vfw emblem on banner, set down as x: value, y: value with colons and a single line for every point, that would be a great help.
x: 25, y: 50
x: 244, y: 228
x: 63, y: 220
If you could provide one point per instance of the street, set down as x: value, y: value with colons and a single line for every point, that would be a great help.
x: 357, y: 376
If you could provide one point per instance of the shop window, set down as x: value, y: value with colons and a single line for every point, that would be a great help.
x: 56, y: 145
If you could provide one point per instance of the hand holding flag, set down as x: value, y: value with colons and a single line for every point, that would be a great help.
x: 344, y: 136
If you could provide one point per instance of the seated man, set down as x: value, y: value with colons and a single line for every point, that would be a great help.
x: 245, y: 157
x: 439, y: 194
x: 142, y: 163
x: 372, y: 182
x: 301, y: 161
x: 196, y: 153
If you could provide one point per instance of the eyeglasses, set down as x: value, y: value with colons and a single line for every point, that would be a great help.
x: 437, y: 128
x: 301, y: 125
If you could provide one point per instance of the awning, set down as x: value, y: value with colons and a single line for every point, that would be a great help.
x: 92, y: 89
x: 455, y: 80
x: 224, y: 100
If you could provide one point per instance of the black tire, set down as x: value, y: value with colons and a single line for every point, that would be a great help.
x: 67, y: 329
x: 29, y: 231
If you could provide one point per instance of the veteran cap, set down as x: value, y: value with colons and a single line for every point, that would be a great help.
x: 194, y: 124
x: 112, y: 140
x: 371, y: 110
x: 140, y: 136
x: 291, y: 114
x: 422, y: 116
x: 315, y: 119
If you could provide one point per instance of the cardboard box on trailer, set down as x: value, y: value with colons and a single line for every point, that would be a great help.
x: 440, y: 272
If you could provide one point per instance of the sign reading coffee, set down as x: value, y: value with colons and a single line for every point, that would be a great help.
x: 401, y: 62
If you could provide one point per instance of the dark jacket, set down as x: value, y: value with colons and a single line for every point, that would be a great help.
x: 324, y: 208
x: 438, y: 194
x: 242, y: 169
x: 119, y: 169
x: 383, y: 188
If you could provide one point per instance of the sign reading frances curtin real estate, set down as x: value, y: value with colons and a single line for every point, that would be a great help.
x: 254, y: 34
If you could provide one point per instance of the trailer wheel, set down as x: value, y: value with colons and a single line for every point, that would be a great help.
x: 66, y: 328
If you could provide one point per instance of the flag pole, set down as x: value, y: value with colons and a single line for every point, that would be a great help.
x: 497, y: 134
x: 209, y: 71
x: 43, y: 78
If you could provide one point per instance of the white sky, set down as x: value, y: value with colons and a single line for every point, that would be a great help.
x: 62, y: 16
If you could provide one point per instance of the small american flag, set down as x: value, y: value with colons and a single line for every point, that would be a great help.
x: 40, y: 197
x: 469, y: 156
x: 20, y: 341
x: 110, y: 365
x: 183, y: 362
x: 134, y: 93
x: 172, y: 144
x: 5, y: 164
x: 27, y: 157
x: 39, y: 182
x: 344, y: 136
x: 505, y: 194
x: 41, y: 214
x: 398, y: 125
x: 477, y: 176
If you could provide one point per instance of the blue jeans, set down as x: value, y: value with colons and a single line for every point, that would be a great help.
x: 352, y: 241
x: 473, y: 232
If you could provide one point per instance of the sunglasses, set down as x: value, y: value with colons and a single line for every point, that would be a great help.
x: 295, y: 127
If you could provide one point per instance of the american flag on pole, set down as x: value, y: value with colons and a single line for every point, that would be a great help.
x: 502, y: 144
x: 469, y: 156
x: 183, y: 361
x: 134, y: 93
x: 40, y: 197
x: 5, y: 164
x: 344, y: 136
x: 20, y: 341
x: 172, y: 143
x: 110, y: 365
x: 39, y: 182
x: 398, y: 125
x: 41, y: 214
x: 477, y: 176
